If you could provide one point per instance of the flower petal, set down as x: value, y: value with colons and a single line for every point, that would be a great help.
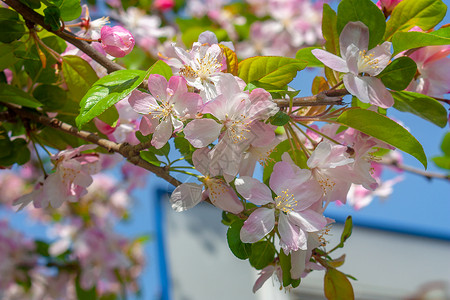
x: 308, y: 220
x: 292, y: 237
x: 157, y: 85
x: 354, y: 33
x: 162, y: 134
x: 253, y: 190
x: 186, y: 196
x: 142, y: 103
x: 330, y: 60
x: 258, y: 224
x: 202, y: 132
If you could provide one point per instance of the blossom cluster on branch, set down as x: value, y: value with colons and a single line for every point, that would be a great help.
x: 74, y: 103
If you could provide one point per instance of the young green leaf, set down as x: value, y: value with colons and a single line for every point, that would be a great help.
x: 408, y: 40
x: 305, y: 54
x: 275, y: 70
x: 399, y: 73
x: 337, y: 286
x: 384, y: 129
x: 422, y: 106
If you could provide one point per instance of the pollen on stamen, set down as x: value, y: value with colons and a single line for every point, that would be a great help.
x: 286, y: 202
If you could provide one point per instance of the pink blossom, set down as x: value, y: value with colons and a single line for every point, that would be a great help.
x: 116, y: 41
x: 164, y: 110
x: 433, y: 64
x: 296, y: 192
x: 69, y: 180
x: 163, y: 5
x: 388, y: 5
x: 187, y: 195
x: 354, y: 41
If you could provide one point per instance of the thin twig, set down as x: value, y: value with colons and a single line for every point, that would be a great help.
x: 126, y: 150
x: 330, y: 97
x: 406, y: 168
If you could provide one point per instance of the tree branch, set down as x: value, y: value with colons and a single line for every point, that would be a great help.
x: 126, y: 150
x: 31, y: 16
x: 406, y: 168
x: 330, y: 97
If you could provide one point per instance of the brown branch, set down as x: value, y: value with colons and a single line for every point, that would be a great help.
x: 330, y: 97
x: 128, y: 151
x: 406, y: 168
x: 31, y: 16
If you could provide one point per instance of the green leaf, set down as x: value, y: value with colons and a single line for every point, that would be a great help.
x: 8, y: 14
x: 305, y: 54
x: 161, y: 68
x: 275, y: 70
x: 5, y: 143
x: 384, y: 129
x: 19, y: 154
x: 52, y: 16
x: 442, y: 162
x: 262, y: 254
x: 337, y: 286
x: 110, y: 116
x: 399, y: 73
x: 365, y: 11
x: 79, y: 76
x: 7, y: 56
x: 164, y: 151
x: 11, y: 30
x: 106, y: 92
x: 51, y: 96
x: 329, y: 30
x: 408, y: 40
x: 445, y: 145
x: 70, y: 9
x: 348, y: 227
x: 42, y: 248
x: 240, y: 250
x: 280, y: 119
x: 285, y: 264
x: 422, y: 106
x: 90, y: 294
x: 409, y: 13
x: 34, y: 4
x: 185, y: 148
x: 11, y: 94
x: 150, y: 157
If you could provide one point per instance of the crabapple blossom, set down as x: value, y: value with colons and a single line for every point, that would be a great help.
x: 187, y: 195
x: 296, y: 192
x: 116, y: 41
x: 69, y: 180
x: 356, y: 60
x: 169, y: 104
x: 388, y: 6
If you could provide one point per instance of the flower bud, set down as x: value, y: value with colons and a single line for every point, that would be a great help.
x: 164, y: 5
x: 116, y: 41
x: 388, y: 5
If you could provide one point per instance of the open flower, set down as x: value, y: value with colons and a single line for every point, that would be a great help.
x: 360, y: 65
x: 168, y: 105
x: 296, y: 192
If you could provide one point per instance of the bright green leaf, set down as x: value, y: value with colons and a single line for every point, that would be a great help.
x: 445, y: 145
x: 150, y: 157
x: 421, y: 105
x: 70, y: 9
x: 399, y: 73
x: 442, y: 162
x: 107, y: 91
x: 262, y: 254
x: 240, y: 250
x: 337, y: 286
x: 161, y: 68
x: 275, y: 70
x: 11, y: 94
x: 365, y: 11
x: 305, y: 54
x: 409, y: 13
x: 79, y: 76
x: 384, y: 129
x: 408, y: 40
x: 110, y: 116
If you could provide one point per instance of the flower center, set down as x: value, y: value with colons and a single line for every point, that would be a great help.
x: 325, y: 182
x: 366, y: 61
x: 163, y: 111
x: 285, y: 202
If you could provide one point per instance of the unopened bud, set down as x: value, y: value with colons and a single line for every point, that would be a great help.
x: 116, y: 41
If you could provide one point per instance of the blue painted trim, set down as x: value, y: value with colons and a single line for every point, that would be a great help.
x: 392, y: 226
x: 166, y: 288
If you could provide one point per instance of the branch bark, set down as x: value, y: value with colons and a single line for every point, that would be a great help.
x: 409, y: 169
x: 130, y: 152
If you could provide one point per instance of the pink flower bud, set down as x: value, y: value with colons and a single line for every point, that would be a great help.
x: 116, y: 41
x: 164, y: 5
x: 388, y: 5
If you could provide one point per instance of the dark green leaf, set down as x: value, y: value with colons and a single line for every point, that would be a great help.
x: 274, y: 70
x: 52, y: 16
x: 305, y: 54
x: 5, y: 143
x: 240, y: 250
x: 262, y: 254
x: 408, y: 40
x: 11, y: 30
x: 90, y: 294
x: 164, y: 151
x: 384, y: 129
x: 409, y: 13
x: 365, y: 11
x: 7, y: 55
x: 285, y: 264
x: 337, y: 286
x: 280, y: 119
x: 421, y: 105
x: 42, y: 248
x: 11, y: 94
x: 79, y: 76
x: 34, y: 4
x: 51, y: 96
x: 8, y: 14
x: 20, y: 153
x: 399, y: 73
